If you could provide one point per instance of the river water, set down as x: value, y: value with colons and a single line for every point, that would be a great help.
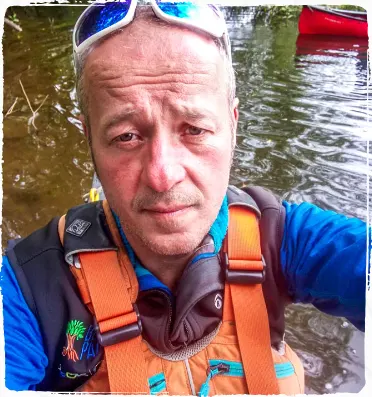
x: 302, y: 134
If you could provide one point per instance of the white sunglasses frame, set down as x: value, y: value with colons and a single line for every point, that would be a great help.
x: 218, y: 31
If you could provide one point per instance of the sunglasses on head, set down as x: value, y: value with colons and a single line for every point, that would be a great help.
x: 101, y: 19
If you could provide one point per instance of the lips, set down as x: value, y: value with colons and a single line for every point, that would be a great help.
x: 166, y: 209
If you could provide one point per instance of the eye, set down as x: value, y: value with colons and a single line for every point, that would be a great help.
x: 195, y: 131
x: 126, y: 137
x: 128, y: 140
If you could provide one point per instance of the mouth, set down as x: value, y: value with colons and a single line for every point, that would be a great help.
x: 167, y: 210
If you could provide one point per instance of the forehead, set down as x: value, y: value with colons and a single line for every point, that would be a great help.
x: 153, y: 33
x: 145, y: 49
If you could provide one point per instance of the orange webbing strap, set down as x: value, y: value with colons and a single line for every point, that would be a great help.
x: 110, y: 288
x: 126, y: 266
x: 113, y: 310
x: 245, y: 262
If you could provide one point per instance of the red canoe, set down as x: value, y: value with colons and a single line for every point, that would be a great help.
x: 329, y: 21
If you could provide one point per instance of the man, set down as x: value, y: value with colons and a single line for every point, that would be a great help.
x: 137, y: 294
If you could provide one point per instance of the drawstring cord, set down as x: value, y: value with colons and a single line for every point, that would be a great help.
x: 213, y: 371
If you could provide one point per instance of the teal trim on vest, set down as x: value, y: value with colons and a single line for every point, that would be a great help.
x: 157, y: 383
x: 284, y: 370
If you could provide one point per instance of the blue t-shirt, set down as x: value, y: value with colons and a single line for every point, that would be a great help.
x: 318, y: 246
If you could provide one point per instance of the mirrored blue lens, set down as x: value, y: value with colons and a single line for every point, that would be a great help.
x: 179, y: 9
x: 198, y: 12
x: 100, y: 17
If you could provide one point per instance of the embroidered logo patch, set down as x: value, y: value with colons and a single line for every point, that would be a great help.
x: 72, y: 375
x: 78, y: 227
x: 218, y: 301
x: 90, y: 346
x: 75, y: 331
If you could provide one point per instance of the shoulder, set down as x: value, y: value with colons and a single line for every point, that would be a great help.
x: 273, y: 215
x: 46, y: 239
x: 271, y: 222
x: 47, y: 284
x: 39, y: 260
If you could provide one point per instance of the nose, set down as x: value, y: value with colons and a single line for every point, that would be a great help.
x: 162, y: 167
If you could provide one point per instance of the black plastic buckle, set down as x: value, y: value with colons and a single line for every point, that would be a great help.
x: 241, y: 276
x: 121, y: 334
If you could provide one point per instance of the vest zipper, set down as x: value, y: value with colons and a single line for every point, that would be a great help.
x: 170, y: 315
x: 213, y: 371
x: 159, y: 382
x: 190, y: 378
x: 234, y: 368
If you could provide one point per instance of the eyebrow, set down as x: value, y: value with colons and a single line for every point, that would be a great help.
x: 123, y: 115
x: 194, y: 112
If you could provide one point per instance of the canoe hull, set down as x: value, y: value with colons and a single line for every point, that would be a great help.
x: 320, y: 21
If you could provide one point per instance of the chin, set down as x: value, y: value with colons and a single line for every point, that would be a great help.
x: 172, y: 245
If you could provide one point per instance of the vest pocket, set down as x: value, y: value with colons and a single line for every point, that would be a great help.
x: 289, y: 371
x: 284, y: 371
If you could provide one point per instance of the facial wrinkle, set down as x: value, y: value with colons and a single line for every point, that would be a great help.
x: 162, y: 77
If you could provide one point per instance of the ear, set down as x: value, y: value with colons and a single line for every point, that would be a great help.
x: 235, y: 111
x: 84, y: 124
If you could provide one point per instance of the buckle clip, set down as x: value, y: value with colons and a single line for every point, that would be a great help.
x: 120, y: 334
x: 243, y: 277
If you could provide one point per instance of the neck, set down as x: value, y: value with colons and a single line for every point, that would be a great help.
x: 167, y: 268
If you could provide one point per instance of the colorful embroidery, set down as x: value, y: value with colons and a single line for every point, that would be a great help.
x: 75, y: 331
x: 71, y: 375
x: 90, y: 345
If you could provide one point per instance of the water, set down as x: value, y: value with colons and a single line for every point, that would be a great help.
x: 302, y: 134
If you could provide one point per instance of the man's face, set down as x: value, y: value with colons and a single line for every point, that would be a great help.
x: 162, y: 133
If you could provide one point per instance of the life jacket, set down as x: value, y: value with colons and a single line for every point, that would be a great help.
x: 242, y: 352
